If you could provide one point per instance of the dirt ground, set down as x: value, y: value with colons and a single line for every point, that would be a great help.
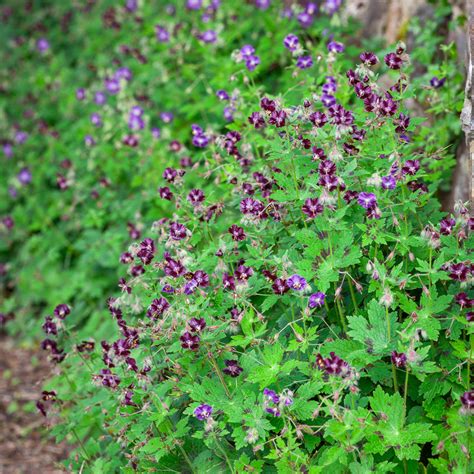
x: 24, y: 448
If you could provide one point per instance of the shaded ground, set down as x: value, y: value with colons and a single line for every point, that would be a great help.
x: 24, y: 448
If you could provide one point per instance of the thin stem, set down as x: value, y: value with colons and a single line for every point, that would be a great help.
x: 405, y: 394
x: 219, y: 374
x: 394, y: 376
x: 353, y: 296
x: 222, y: 450
x: 387, y: 319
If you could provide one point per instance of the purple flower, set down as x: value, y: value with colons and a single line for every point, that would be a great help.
x: 332, y: 6
x: 100, y: 98
x: 278, y: 118
x: 193, y: 4
x: 388, y: 182
x: 367, y: 200
x: 197, y: 325
x: 393, y: 61
x: 203, y: 412
x: 399, y: 359
x: 368, y: 58
x: 123, y: 73
x: 297, y: 282
x: 162, y: 34
x: 237, y: 233
x: 333, y: 365
x: 411, y: 167
x: 190, y: 341
x: 96, y: 119
x: 291, y: 42
x: 262, y: 4
x: 312, y: 207
x: 305, y: 19
x: 24, y: 176
x: 177, y: 231
x: 190, y: 287
x: 328, y: 100
x: 61, y: 311
x: 446, y: 226
x: 304, y: 62
x: 335, y: 47
x: 195, y: 197
x: 42, y: 45
x: 316, y: 300
x: 437, y: 83
x: 459, y: 271
x: 256, y: 120
x: 112, y: 86
x: 251, y: 62
x: 49, y: 326
x: 208, y: 36
x: 318, y: 119
x: 271, y: 396
x: 232, y: 368
x: 167, y: 117
x: 280, y: 286
x: 200, y: 140
x: 247, y: 50
x: 222, y: 95
x: 157, y: 307
x: 80, y: 94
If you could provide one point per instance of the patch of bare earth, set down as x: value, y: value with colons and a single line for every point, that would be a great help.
x: 24, y: 447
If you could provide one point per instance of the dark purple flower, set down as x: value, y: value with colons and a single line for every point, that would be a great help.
x: 411, y: 167
x: 278, y: 118
x: 297, y: 282
x: 333, y: 365
x: 243, y: 273
x: 197, y: 325
x: 195, y: 197
x: 393, y: 61
x: 157, y: 307
x: 388, y: 182
x: 177, y: 231
x: 190, y: 287
x: 203, y: 412
x: 399, y: 359
x: 232, y: 368
x: 222, y: 95
x: 467, y: 400
x: 123, y: 73
x: 262, y: 4
x: 190, y: 341
x: 459, y: 271
x: 437, y: 83
x: 237, y: 232
x: 228, y: 281
x: 463, y: 300
x: 319, y: 119
x: 256, y: 120
x: 61, y: 311
x: 316, y: 300
x: 49, y: 326
x: 312, y: 207
x: 446, y: 226
x: 174, y: 268
x: 367, y: 200
x: 368, y: 58
x: 108, y: 379
x: 165, y: 193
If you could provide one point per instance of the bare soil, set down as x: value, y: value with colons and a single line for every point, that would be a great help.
x: 24, y: 446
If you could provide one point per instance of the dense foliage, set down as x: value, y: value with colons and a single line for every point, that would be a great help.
x: 291, y: 297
